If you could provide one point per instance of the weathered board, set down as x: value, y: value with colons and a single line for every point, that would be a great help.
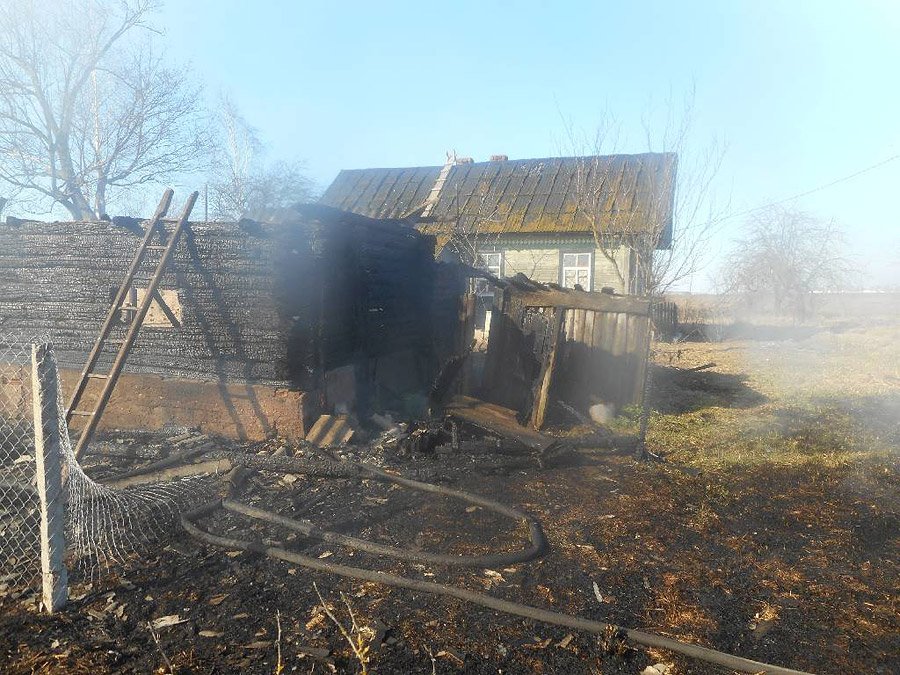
x: 497, y: 419
x: 603, y: 358
x: 600, y: 356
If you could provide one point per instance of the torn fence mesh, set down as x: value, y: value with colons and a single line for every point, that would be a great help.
x: 103, y: 526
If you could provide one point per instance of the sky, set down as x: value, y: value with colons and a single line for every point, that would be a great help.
x: 800, y: 94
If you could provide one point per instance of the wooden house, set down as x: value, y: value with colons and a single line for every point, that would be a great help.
x: 535, y: 217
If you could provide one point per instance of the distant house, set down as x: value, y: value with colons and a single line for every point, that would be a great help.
x: 529, y: 216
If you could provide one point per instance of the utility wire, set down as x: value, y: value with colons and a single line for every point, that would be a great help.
x: 809, y: 192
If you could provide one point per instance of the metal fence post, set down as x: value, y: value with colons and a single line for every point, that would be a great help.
x: 48, y: 467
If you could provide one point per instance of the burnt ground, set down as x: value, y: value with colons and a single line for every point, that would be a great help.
x: 786, y: 551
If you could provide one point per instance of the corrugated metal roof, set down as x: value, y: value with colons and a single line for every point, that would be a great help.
x: 520, y: 196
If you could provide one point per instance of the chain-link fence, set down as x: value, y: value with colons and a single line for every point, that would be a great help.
x: 46, y: 500
x: 20, y: 559
x: 32, y: 499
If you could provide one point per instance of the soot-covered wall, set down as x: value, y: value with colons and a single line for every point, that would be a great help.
x: 275, y: 303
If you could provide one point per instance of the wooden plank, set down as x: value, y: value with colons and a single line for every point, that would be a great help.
x: 467, y: 326
x: 496, y: 349
x: 570, y: 323
x: 621, y: 329
x: 578, y: 335
x: 642, y: 354
x: 545, y: 380
x: 330, y: 430
x: 630, y: 344
x: 588, y: 337
x: 496, y: 419
x: 609, y: 331
x: 598, y: 302
x: 597, y: 337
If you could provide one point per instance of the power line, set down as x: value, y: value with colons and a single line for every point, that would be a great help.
x: 809, y: 192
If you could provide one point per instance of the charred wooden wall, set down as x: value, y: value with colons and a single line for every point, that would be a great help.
x: 58, y: 279
x: 275, y: 303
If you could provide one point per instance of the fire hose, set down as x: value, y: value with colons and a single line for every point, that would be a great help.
x: 537, y: 546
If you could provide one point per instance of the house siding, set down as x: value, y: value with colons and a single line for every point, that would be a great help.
x: 605, y: 272
x: 542, y: 264
x: 538, y: 264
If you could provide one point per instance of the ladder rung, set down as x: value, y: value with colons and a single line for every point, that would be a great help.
x: 128, y: 307
x: 81, y: 413
x: 156, y: 247
x: 98, y: 376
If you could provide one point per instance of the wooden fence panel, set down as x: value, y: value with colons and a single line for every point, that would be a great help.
x: 603, y: 358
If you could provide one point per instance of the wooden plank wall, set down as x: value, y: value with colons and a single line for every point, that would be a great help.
x: 267, y: 303
x: 518, y: 344
x: 603, y: 358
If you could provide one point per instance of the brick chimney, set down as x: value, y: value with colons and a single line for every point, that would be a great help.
x: 465, y: 160
x: 499, y: 158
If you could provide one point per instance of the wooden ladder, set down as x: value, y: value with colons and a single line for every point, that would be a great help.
x: 119, y: 305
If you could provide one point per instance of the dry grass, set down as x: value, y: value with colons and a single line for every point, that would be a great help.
x: 830, y: 396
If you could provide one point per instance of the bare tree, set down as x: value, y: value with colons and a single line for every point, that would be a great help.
x: 281, y: 184
x: 659, y: 241
x: 85, y: 107
x: 237, y: 149
x: 473, y: 235
x: 787, y: 255
x: 241, y: 181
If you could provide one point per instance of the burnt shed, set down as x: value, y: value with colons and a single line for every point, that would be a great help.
x: 275, y: 304
x: 550, y: 344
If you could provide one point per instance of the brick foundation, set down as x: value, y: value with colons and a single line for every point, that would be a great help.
x: 149, y: 402
x: 239, y: 411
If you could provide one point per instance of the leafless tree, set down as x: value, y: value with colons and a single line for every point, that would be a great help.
x: 474, y: 236
x: 86, y: 108
x: 787, y: 255
x: 241, y: 181
x: 237, y: 149
x: 648, y: 255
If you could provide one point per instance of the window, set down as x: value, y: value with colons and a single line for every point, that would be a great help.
x: 491, y: 263
x: 164, y: 312
x: 577, y: 269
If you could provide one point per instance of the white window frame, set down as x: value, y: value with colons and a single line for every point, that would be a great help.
x: 563, y: 268
x: 481, y: 286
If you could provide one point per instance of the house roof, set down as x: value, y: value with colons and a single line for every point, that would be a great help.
x: 518, y: 196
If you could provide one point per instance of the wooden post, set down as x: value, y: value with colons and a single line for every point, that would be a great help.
x: 48, y: 467
x: 545, y: 380
x: 467, y: 334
